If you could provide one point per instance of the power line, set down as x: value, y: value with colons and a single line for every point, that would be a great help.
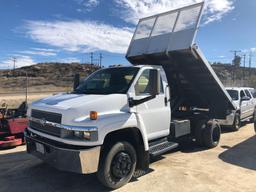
x: 235, y: 52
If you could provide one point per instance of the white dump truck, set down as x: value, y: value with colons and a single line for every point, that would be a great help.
x: 120, y: 117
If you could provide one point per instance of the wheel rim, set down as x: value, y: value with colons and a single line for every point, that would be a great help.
x: 216, y: 135
x: 237, y: 123
x: 121, y: 165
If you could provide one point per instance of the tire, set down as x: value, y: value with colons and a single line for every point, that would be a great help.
x: 254, y: 126
x: 237, y: 123
x: 199, y: 128
x: 253, y: 119
x: 211, y: 135
x: 117, y: 165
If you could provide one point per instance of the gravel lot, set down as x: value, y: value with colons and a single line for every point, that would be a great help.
x: 229, y: 167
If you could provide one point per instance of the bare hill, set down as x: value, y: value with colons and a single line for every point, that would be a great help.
x: 43, y: 77
x: 50, y: 77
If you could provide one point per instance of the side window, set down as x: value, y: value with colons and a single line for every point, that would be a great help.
x: 253, y: 92
x: 248, y: 94
x: 142, y: 87
x: 242, y: 94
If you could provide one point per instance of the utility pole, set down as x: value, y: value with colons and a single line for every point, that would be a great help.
x: 235, y: 52
x: 14, y: 65
x: 26, y: 99
x: 244, y: 55
x: 250, y: 64
x: 234, y: 63
x: 101, y: 57
x: 91, y: 57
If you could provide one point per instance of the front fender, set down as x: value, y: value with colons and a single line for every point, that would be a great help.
x: 118, y: 121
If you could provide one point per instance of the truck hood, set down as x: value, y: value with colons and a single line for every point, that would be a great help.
x: 78, y: 106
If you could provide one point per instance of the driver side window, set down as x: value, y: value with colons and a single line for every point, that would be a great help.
x: 143, y: 83
x: 242, y: 94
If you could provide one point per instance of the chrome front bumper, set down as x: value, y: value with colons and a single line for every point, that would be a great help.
x: 64, y: 157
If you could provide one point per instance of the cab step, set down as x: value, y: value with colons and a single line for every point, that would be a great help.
x: 161, y: 148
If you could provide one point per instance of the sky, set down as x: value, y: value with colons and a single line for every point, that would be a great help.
x: 69, y: 30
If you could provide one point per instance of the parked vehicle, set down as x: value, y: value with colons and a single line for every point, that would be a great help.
x: 120, y: 117
x: 12, y: 125
x: 245, y: 103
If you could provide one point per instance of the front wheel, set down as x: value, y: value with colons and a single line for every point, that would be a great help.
x: 117, y: 165
x: 254, y: 120
x: 237, y: 122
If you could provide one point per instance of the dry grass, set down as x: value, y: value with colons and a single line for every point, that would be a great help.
x: 14, y: 100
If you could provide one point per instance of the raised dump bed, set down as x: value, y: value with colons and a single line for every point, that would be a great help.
x: 167, y: 39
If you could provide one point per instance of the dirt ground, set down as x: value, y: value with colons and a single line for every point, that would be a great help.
x: 231, y: 167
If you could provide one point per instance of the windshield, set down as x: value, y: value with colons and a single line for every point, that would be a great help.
x: 233, y: 94
x: 108, y: 81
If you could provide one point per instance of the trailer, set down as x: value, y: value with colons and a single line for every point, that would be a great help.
x: 119, y: 118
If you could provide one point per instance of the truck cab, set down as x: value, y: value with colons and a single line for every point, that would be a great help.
x: 120, y: 117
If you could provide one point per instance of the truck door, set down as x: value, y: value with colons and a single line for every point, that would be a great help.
x: 243, y: 106
x: 250, y: 103
x: 155, y: 113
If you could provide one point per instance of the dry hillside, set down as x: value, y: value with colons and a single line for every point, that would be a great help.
x: 43, y: 77
x: 47, y: 77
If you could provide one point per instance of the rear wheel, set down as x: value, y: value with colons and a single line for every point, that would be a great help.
x: 237, y: 122
x: 199, y: 128
x: 117, y: 165
x: 211, y: 134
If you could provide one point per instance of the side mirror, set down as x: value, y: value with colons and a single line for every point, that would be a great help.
x: 245, y: 98
x: 76, y: 81
x: 155, y: 82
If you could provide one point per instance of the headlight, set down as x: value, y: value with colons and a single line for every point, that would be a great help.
x: 87, y: 135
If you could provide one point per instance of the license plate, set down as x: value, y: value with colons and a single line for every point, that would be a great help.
x: 40, y: 148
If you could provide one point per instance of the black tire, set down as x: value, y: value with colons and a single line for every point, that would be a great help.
x: 237, y: 123
x: 199, y: 128
x: 117, y: 165
x: 211, y: 135
x: 253, y: 119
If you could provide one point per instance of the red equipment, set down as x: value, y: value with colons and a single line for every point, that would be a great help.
x: 12, y: 125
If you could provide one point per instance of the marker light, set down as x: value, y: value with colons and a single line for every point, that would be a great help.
x: 93, y: 115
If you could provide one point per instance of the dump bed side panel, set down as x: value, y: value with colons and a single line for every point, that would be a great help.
x: 168, y: 39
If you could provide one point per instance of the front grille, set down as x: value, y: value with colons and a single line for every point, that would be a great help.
x: 46, y: 128
x: 48, y: 116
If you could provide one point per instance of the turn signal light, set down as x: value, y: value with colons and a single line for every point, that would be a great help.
x: 93, y: 115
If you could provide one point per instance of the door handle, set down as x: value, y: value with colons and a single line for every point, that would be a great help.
x: 165, y: 101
